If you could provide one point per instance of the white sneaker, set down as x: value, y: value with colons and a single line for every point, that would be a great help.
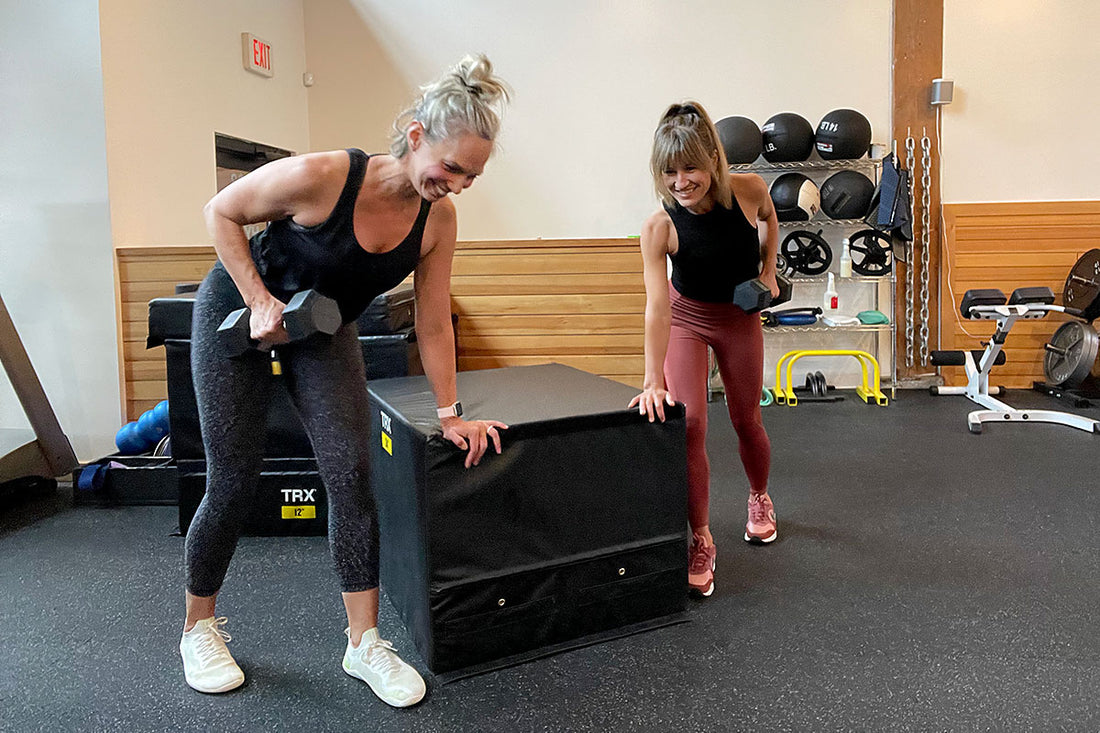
x: 375, y: 662
x: 207, y: 664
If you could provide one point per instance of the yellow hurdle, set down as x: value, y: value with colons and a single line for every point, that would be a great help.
x: 868, y: 389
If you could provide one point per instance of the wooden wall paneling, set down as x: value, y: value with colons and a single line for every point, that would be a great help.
x: 1008, y: 245
x: 575, y: 302
x: 144, y: 273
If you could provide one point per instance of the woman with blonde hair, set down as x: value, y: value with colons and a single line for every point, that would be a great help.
x: 719, y: 230
x: 350, y: 226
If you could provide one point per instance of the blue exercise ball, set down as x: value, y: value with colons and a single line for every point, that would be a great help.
x: 149, y: 428
x: 129, y: 440
x: 160, y: 413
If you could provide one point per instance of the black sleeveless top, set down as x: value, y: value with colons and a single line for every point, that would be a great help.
x: 327, y: 256
x: 717, y: 251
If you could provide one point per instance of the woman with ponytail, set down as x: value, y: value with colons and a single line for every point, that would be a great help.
x: 719, y: 230
x: 350, y: 226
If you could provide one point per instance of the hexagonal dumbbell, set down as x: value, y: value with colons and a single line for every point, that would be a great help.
x: 307, y: 313
x: 754, y: 296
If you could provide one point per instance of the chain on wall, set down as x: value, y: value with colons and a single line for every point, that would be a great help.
x: 911, y: 260
x: 925, y: 237
x: 918, y: 272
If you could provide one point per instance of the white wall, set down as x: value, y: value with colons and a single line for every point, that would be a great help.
x: 358, y: 89
x: 591, y: 77
x: 1023, y: 123
x: 55, y: 237
x: 173, y: 76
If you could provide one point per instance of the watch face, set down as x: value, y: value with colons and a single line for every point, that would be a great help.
x: 458, y: 409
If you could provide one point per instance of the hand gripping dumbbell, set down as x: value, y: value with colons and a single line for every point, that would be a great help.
x: 754, y: 296
x: 307, y: 313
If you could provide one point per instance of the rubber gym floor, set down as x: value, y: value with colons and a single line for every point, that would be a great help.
x: 924, y: 579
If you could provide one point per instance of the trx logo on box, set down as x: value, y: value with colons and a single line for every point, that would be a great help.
x: 387, y: 428
x: 298, y: 495
x: 300, y: 512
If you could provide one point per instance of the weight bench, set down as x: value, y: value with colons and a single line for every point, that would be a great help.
x: 988, y: 305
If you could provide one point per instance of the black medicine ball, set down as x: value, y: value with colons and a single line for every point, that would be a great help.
x: 787, y: 138
x: 843, y: 134
x: 846, y: 195
x: 795, y: 196
x: 740, y: 138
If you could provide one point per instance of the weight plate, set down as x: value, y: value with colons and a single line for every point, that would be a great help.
x: 1070, y: 354
x: 871, y: 251
x: 1082, y: 289
x: 781, y: 265
x: 806, y: 252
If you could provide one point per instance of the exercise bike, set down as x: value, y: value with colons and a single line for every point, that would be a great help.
x: 991, y: 304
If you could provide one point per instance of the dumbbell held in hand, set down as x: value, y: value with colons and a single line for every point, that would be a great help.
x: 307, y: 313
x: 754, y: 296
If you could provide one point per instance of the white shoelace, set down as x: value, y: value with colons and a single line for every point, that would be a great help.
x: 381, y: 657
x: 210, y: 647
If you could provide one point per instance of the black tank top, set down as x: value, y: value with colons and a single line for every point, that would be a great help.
x: 327, y: 256
x: 717, y: 251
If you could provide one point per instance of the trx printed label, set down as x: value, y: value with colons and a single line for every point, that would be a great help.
x: 294, y: 508
x: 387, y: 428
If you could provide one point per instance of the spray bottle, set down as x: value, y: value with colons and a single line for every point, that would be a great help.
x: 831, y: 302
x: 845, y: 259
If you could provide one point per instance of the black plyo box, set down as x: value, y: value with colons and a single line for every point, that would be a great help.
x: 387, y: 355
x: 289, y: 499
x: 577, y: 530
x: 390, y: 312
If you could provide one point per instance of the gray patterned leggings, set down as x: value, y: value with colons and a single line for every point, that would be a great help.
x: 327, y: 383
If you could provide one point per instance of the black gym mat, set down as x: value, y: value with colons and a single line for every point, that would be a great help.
x: 924, y: 579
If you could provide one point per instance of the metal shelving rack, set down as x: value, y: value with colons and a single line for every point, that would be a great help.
x: 872, y: 167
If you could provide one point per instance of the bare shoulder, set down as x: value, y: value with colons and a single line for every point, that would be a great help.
x: 301, y: 177
x: 748, y: 184
x: 320, y: 170
x: 443, y: 213
x: 441, y: 228
x: 657, y: 233
x: 657, y: 223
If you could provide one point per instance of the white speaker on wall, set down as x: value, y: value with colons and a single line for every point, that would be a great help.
x: 943, y: 90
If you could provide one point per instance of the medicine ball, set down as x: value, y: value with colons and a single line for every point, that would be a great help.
x: 787, y: 138
x: 843, y: 134
x: 847, y: 195
x: 796, y: 197
x: 740, y: 138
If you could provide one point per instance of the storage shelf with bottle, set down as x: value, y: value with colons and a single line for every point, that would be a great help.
x: 856, y: 293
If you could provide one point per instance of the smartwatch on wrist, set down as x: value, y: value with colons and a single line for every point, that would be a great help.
x: 454, y: 410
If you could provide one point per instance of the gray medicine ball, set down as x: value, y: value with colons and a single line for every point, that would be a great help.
x: 796, y: 197
x: 787, y: 138
x: 740, y: 139
x: 844, y: 134
x: 846, y: 195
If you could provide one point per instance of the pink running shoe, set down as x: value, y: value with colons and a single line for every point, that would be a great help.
x: 701, y: 566
x: 760, y: 528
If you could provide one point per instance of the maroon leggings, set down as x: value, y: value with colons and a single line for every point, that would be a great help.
x: 737, y: 339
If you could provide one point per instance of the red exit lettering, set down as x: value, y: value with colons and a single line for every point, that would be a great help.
x: 256, y: 55
x: 260, y: 53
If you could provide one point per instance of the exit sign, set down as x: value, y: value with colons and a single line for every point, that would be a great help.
x: 257, y: 55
